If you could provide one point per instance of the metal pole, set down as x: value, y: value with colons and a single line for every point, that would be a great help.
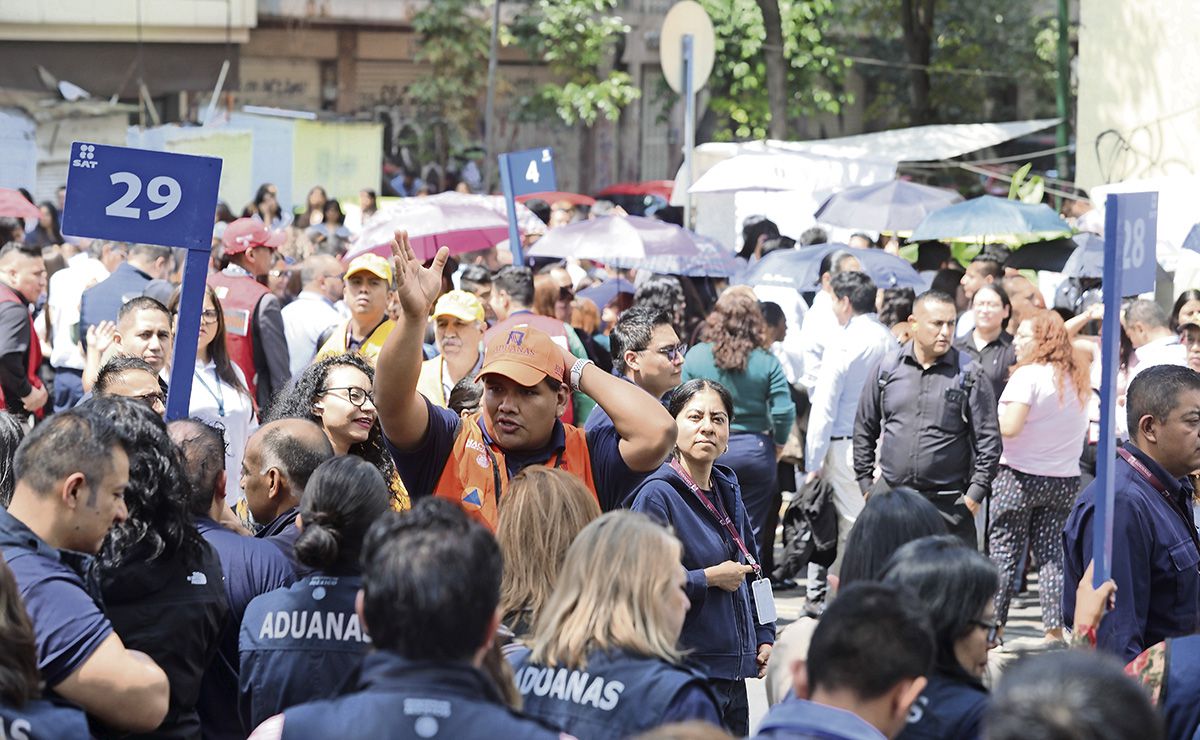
x: 1106, y: 449
x: 1063, y: 89
x: 489, y: 116
x: 689, y: 126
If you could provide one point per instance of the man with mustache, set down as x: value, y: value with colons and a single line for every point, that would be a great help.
x: 458, y: 330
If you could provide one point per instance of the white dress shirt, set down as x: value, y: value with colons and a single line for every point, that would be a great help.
x: 304, y: 320
x: 65, y: 291
x: 216, y: 402
x: 849, y: 357
x: 820, y: 325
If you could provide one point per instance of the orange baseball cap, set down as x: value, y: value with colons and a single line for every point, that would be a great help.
x: 523, y: 354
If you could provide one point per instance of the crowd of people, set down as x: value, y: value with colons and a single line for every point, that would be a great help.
x: 462, y: 498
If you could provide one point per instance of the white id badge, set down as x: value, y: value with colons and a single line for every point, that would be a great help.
x: 764, y: 600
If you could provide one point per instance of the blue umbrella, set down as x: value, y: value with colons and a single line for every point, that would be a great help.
x: 607, y: 291
x: 713, y: 260
x: 988, y: 218
x: 799, y: 269
x: 894, y: 205
x: 1192, y: 241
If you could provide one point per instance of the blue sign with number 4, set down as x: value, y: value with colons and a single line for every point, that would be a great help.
x: 135, y: 195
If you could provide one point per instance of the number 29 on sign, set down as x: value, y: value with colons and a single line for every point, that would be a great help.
x: 162, y: 190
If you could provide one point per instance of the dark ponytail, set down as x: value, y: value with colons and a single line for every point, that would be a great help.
x: 344, y: 496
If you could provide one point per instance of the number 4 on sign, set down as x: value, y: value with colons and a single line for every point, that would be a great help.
x: 532, y: 174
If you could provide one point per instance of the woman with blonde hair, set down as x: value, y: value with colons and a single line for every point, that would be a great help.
x: 1043, y: 422
x: 603, y: 660
x: 539, y: 517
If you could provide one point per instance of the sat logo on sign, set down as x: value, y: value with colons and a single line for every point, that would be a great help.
x: 87, y: 157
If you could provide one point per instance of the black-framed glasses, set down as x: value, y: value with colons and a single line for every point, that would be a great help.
x: 672, y: 353
x: 357, y: 396
x: 208, y: 316
x: 151, y: 398
x: 993, y: 630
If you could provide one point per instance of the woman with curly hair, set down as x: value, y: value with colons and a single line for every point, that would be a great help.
x: 1043, y: 421
x: 338, y: 393
x: 733, y: 352
x: 162, y: 583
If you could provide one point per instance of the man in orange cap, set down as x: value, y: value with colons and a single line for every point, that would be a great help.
x: 458, y: 327
x: 368, y: 282
x: 527, y: 380
x: 254, y: 333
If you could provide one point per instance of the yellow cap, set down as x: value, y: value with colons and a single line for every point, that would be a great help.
x: 461, y: 305
x: 372, y: 263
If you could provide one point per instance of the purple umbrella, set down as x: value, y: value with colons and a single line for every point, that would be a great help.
x: 611, y: 238
x: 463, y: 227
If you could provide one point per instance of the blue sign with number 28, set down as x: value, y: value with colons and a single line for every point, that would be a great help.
x: 136, y: 195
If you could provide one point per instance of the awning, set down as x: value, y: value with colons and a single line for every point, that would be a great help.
x: 845, y: 161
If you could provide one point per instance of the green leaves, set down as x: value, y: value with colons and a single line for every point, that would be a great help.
x: 578, y: 41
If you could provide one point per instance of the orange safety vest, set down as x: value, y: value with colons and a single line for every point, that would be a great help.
x: 475, y: 476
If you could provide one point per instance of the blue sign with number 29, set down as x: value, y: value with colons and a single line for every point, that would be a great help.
x: 135, y: 195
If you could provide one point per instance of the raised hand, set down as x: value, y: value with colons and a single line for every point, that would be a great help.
x: 417, y: 287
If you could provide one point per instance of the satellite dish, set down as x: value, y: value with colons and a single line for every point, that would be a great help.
x: 687, y: 17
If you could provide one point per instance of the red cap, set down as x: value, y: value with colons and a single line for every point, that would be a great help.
x: 247, y: 233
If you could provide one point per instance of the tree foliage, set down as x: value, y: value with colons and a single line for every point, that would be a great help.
x: 977, y: 54
x: 579, y: 42
x: 454, y: 38
x: 739, y: 99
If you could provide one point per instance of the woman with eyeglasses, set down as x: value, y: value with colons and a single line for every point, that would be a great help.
x: 338, y: 393
x: 733, y: 352
x: 219, y: 394
x: 957, y: 587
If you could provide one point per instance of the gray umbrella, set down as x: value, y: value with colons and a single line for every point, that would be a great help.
x: 895, y: 205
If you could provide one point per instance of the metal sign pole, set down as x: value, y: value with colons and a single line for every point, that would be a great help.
x: 1106, y: 448
x: 689, y: 124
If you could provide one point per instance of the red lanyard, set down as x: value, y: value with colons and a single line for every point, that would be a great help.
x: 722, y: 518
x: 1153, y: 480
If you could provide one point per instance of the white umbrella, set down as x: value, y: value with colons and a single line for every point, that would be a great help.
x: 616, y: 237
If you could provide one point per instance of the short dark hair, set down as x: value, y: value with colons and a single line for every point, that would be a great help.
x: 856, y: 286
x: 686, y: 392
x: 889, y: 520
x: 871, y: 637
x: 517, y: 281
x: 831, y: 263
x: 813, y: 235
x: 772, y: 313
x: 998, y: 289
x: 343, y: 498
x: 753, y: 228
x: 1071, y: 694
x: 152, y: 252
x: 11, y: 434
x: 474, y: 277
x: 431, y: 582
x: 897, y: 305
x: 664, y: 292
x: 776, y: 243
x: 297, y: 456
x: 75, y: 441
x: 1155, y: 392
x: 21, y: 248
x: 202, y: 447
x: 1146, y: 312
x: 112, y: 370
x: 633, y: 329
x: 933, y: 296
x: 991, y: 260
x: 141, y: 303
x: 467, y: 394
x: 952, y: 581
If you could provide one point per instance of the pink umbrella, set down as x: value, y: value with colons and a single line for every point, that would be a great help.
x: 463, y: 227
x: 12, y: 203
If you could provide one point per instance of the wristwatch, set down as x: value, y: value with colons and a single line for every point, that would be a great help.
x: 577, y: 372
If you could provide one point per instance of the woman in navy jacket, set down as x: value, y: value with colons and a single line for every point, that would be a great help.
x: 696, y: 498
x: 302, y: 642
